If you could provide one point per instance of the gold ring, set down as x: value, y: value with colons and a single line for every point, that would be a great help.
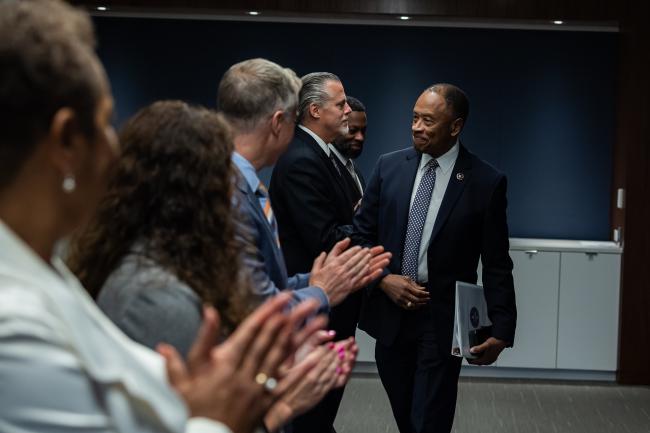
x: 269, y: 383
x: 261, y: 378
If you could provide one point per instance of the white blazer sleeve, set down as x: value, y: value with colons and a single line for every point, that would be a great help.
x: 43, y: 386
x: 205, y: 425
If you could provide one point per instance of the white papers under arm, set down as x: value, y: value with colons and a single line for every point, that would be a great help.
x: 470, y: 318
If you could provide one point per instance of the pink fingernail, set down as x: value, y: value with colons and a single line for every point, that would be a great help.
x: 331, y: 346
x: 331, y: 333
x: 341, y: 355
x: 339, y: 370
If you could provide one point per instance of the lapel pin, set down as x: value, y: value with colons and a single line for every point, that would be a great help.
x: 460, y: 176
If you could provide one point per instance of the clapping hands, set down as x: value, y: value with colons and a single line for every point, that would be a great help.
x: 344, y: 270
x: 246, y: 365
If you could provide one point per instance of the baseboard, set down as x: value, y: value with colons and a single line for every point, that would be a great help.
x: 362, y: 369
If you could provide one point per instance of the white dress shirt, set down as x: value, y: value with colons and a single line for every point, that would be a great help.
x: 446, y: 164
x: 64, y: 366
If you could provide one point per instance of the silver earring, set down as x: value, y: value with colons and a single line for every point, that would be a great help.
x: 69, y: 183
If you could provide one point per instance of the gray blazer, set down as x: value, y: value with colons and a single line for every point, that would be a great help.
x: 151, y: 305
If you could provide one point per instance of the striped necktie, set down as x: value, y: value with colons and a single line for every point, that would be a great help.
x: 350, y: 167
x: 265, y: 202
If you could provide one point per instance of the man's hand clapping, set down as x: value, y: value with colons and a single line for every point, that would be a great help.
x: 345, y: 270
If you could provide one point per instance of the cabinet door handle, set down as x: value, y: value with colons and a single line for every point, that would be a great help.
x: 591, y: 254
x: 531, y: 252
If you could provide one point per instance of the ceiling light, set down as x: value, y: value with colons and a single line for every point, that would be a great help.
x: 102, y: 8
x: 404, y: 18
x: 558, y: 22
x: 253, y: 13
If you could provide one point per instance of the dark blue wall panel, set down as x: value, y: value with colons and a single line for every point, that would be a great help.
x: 542, y: 103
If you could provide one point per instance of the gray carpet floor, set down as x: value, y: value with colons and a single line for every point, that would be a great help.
x: 495, y: 405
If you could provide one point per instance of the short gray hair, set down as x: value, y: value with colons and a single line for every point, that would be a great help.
x: 313, y: 91
x: 253, y: 89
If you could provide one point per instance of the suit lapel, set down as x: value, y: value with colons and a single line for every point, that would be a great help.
x: 459, y: 178
x: 409, y: 169
x: 351, y: 185
x: 254, y: 203
x: 362, y: 180
x: 327, y: 162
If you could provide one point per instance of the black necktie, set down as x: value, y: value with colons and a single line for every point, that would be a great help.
x: 336, y: 164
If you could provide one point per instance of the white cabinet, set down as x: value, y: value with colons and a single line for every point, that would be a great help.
x: 589, y: 306
x: 537, y: 286
x: 568, y: 306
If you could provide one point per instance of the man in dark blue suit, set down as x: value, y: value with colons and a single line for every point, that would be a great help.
x: 438, y: 208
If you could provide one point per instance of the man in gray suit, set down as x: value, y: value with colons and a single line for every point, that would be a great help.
x: 259, y: 99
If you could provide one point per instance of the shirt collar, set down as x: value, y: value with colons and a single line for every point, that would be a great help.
x: 247, y: 170
x: 344, y: 160
x: 445, y: 161
x: 319, y: 140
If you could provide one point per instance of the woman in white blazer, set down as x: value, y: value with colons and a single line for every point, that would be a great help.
x: 63, y: 366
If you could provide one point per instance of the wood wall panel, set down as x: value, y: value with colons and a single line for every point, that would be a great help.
x: 633, y: 149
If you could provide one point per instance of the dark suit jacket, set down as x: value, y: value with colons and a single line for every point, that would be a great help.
x: 471, y: 224
x: 314, y: 207
x: 311, y: 202
x: 353, y: 189
x: 360, y: 176
x: 262, y: 256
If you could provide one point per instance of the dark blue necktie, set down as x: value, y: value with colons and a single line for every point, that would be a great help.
x: 417, y: 217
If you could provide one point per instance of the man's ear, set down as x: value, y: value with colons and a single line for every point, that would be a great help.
x: 64, y: 141
x: 456, y: 127
x: 314, y: 110
x: 277, y: 119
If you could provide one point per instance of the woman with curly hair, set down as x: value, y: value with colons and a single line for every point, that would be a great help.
x: 162, y: 241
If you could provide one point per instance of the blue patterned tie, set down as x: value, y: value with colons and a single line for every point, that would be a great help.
x: 417, y: 217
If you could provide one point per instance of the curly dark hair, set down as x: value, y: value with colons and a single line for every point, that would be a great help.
x: 170, y: 194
